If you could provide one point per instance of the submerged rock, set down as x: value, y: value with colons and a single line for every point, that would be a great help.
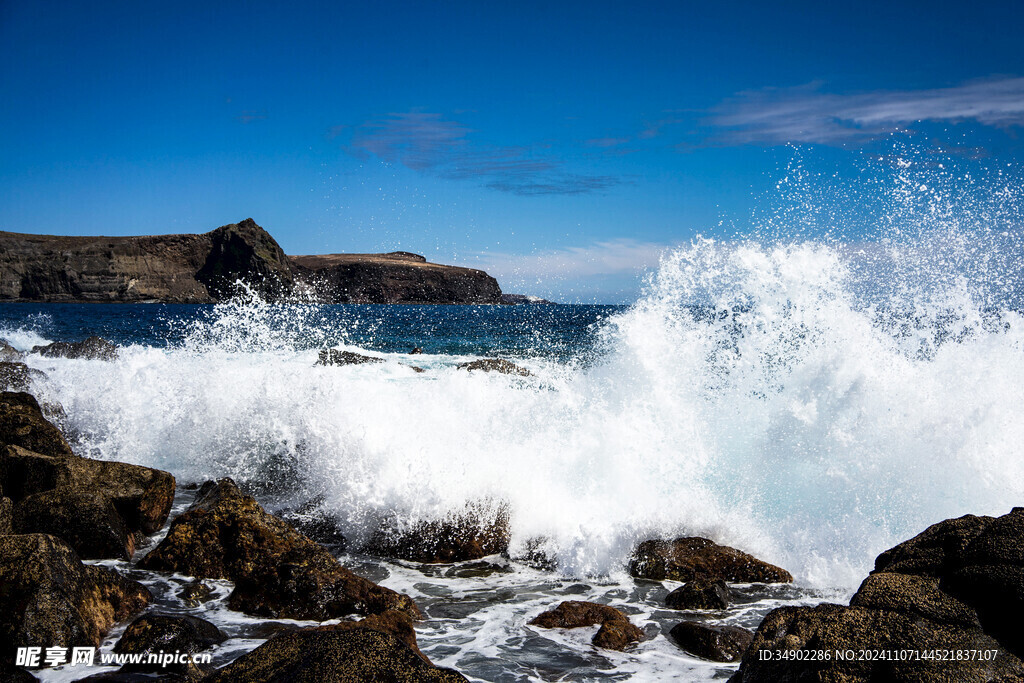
x: 686, y: 559
x: 334, y: 656
x: 717, y: 643
x: 700, y: 594
x: 956, y: 587
x: 16, y: 376
x: 477, y: 532
x: 495, y: 365
x: 22, y: 424
x: 49, y: 598
x: 277, y: 571
x: 157, y: 634
x: 616, y: 632
x: 336, y: 357
x: 93, y: 348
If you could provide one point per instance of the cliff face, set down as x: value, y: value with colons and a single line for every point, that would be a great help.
x: 398, y: 277
x: 204, y: 268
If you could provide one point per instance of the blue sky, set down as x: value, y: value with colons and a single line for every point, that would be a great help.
x: 561, y: 146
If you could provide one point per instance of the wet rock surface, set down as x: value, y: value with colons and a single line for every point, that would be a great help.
x: 22, y: 424
x: 700, y: 594
x: 336, y: 357
x: 616, y: 632
x: 686, y: 559
x: 717, y: 643
x: 471, y: 535
x: 93, y: 348
x: 277, y: 571
x: 498, y: 365
x: 16, y: 376
x: 155, y: 634
x: 9, y: 353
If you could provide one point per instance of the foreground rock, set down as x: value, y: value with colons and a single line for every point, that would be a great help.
x: 277, y: 571
x: 93, y: 348
x: 22, y: 424
x: 498, y: 365
x: 958, y: 587
x: 686, y: 559
x: 155, y: 634
x: 616, y: 632
x: 470, y: 535
x: 334, y: 656
x: 717, y: 643
x: 49, y: 598
x: 700, y: 594
x: 16, y: 376
x: 336, y: 357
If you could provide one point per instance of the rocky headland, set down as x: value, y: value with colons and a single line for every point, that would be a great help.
x: 205, y: 268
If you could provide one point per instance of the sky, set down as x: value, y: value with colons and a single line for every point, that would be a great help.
x: 561, y: 146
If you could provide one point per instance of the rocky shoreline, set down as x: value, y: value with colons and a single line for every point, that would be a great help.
x: 939, y: 606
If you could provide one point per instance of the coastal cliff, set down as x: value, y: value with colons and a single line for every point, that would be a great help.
x: 205, y: 268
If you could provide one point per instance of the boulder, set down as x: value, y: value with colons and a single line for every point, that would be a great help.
x: 312, y: 520
x: 16, y: 376
x: 474, y: 533
x: 686, y: 559
x: 196, y: 593
x: 700, y: 594
x: 495, y: 365
x: 397, y: 624
x: 84, y: 520
x: 8, y: 352
x: 717, y: 643
x: 336, y: 357
x: 616, y: 632
x: 156, y: 633
x: 49, y: 598
x: 93, y: 348
x: 334, y: 656
x: 22, y: 424
x: 277, y: 571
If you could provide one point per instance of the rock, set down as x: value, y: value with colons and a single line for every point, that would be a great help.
x: 156, y: 634
x: 520, y: 299
x: 477, y: 532
x: 94, y: 348
x: 686, y: 559
x: 495, y: 365
x: 311, y: 520
x: 334, y: 656
x: 6, y: 515
x: 8, y: 353
x: 86, y: 521
x: 196, y: 593
x: 336, y: 357
x: 616, y: 631
x: 416, y: 350
x: 277, y: 571
x: 18, y: 376
x: 49, y: 598
x: 22, y: 424
x: 395, y: 623
x: 717, y: 643
x: 957, y: 586
x: 245, y: 252
x: 700, y: 594
x: 398, y: 277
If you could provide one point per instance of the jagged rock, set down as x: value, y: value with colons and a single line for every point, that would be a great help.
x: 336, y: 357
x: 957, y: 586
x: 476, y: 532
x: 95, y: 348
x: 717, y: 643
x: 156, y: 634
x: 8, y: 353
x: 277, y: 571
x: 49, y: 598
x: 616, y: 632
x: 398, y: 277
x: 245, y: 252
x: 334, y: 656
x: 700, y: 594
x: 686, y: 559
x: 16, y: 376
x: 22, y: 424
x: 495, y: 365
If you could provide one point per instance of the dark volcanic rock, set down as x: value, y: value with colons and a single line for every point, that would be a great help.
x: 94, y: 348
x: 495, y: 365
x: 277, y: 571
x: 22, y: 424
x: 686, y: 559
x: 18, y: 376
x: 475, y: 533
x: 49, y: 598
x: 717, y: 643
x: 336, y: 357
x: 171, y: 268
x: 334, y: 656
x: 398, y: 277
x: 957, y: 586
x: 156, y: 634
x: 616, y: 632
x: 700, y: 594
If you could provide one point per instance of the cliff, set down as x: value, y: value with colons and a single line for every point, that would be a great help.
x: 204, y: 268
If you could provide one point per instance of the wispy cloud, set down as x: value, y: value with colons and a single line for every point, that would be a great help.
x: 808, y: 115
x: 611, y: 257
x: 431, y: 144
